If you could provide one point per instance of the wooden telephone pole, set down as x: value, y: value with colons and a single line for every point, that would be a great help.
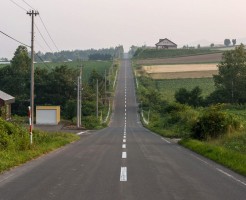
x: 32, y: 13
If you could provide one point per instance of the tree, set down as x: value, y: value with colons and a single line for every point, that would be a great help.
x: 234, y: 41
x: 15, y: 79
x: 227, y: 42
x: 231, y: 78
x: 182, y: 96
x: 212, y: 45
x: 192, y: 98
x: 198, y: 46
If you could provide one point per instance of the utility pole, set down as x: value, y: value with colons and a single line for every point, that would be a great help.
x: 105, y: 89
x: 78, y: 102
x: 32, y: 13
x: 80, y: 96
x: 97, y: 98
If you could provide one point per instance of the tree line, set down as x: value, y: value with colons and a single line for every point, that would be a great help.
x: 55, y: 86
x: 92, y: 54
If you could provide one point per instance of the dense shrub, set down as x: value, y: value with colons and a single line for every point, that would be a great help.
x: 12, y: 136
x: 90, y: 122
x: 214, y: 123
x: 192, y: 98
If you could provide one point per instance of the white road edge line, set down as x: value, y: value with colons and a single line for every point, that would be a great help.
x: 6, y: 178
x: 165, y: 140
x: 123, y: 174
x: 230, y: 176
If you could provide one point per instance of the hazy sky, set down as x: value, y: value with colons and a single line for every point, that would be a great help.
x: 84, y: 24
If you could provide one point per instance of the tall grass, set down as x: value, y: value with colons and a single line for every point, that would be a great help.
x: 232, y: 159
x: 15, y: 148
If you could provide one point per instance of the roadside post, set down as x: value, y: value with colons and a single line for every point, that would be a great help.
x: 30, y: 123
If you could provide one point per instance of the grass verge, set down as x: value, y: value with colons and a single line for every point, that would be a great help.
x: 43, y: 143
x: 229, y: 158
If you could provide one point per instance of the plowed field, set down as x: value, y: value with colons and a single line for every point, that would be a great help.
x: 179, y: 71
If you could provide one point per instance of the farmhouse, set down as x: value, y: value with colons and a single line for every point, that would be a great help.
x: 165, y: 44
x: 5, y: 105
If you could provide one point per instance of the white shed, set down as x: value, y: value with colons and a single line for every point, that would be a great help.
x: 49, y: 115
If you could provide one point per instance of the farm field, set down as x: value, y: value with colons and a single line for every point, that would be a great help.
x: 88, y: 66
x: 170, y: 53
x: 179, y: 71
x: 170, y: 86
x: 205, y: 58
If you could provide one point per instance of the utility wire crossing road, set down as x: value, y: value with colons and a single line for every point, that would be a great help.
x: 122, y: 162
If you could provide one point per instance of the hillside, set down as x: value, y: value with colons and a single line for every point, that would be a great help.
x: 170, y: 53
x: 192, y: 59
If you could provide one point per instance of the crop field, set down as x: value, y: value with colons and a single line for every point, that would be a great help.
x: 205, y: 58
x: 170, y: 53
x: 170, y: 86
x: 179, y: 71
x: 87, y: 66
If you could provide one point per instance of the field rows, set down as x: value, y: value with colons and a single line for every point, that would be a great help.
x: 206, y: 58
x: 179, y: 71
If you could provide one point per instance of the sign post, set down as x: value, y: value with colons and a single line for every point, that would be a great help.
x: 30, y: 123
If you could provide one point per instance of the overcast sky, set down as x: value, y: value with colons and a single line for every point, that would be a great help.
x: 84, y: 24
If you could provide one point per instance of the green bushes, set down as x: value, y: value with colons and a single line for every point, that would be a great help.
x: 15, y: 147
x: 192, y: 98
x: 91, y: 122
x: 214, y: 123
x: 12, y: 136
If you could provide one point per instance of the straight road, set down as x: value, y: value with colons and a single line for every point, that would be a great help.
x: 122, y: 162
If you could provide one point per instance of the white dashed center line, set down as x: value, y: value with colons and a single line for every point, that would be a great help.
x: 123, y: 174
x: 124, y: 155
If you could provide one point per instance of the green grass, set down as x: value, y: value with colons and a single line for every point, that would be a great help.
x: 171, y: 53
x: 43, y: 143
x: 232, y: 159
x: 15, y: 147
x: 168, y: 87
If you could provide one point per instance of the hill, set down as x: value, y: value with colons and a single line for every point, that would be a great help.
x: 171, y: 53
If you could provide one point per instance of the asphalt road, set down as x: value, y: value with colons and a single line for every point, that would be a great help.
x: 122, y: 162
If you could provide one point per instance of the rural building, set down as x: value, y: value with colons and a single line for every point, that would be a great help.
x: 166, y: 44
x: 49, y: 115
x: 5, y: 105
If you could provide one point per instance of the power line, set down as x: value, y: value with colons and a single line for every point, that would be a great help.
x: 43, y: 38
x: 48, y: 33
x: 18, y: 5
x: 15, y: 39
x: 37, y: 27
x: 44, y: 26
x: 28, y: 4
x: 42, y: 60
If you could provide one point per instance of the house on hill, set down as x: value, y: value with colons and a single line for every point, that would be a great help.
x: 166, y: 44
x: 5, y: 105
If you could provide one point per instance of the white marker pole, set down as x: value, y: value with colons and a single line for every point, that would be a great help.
x: 30, y: 123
